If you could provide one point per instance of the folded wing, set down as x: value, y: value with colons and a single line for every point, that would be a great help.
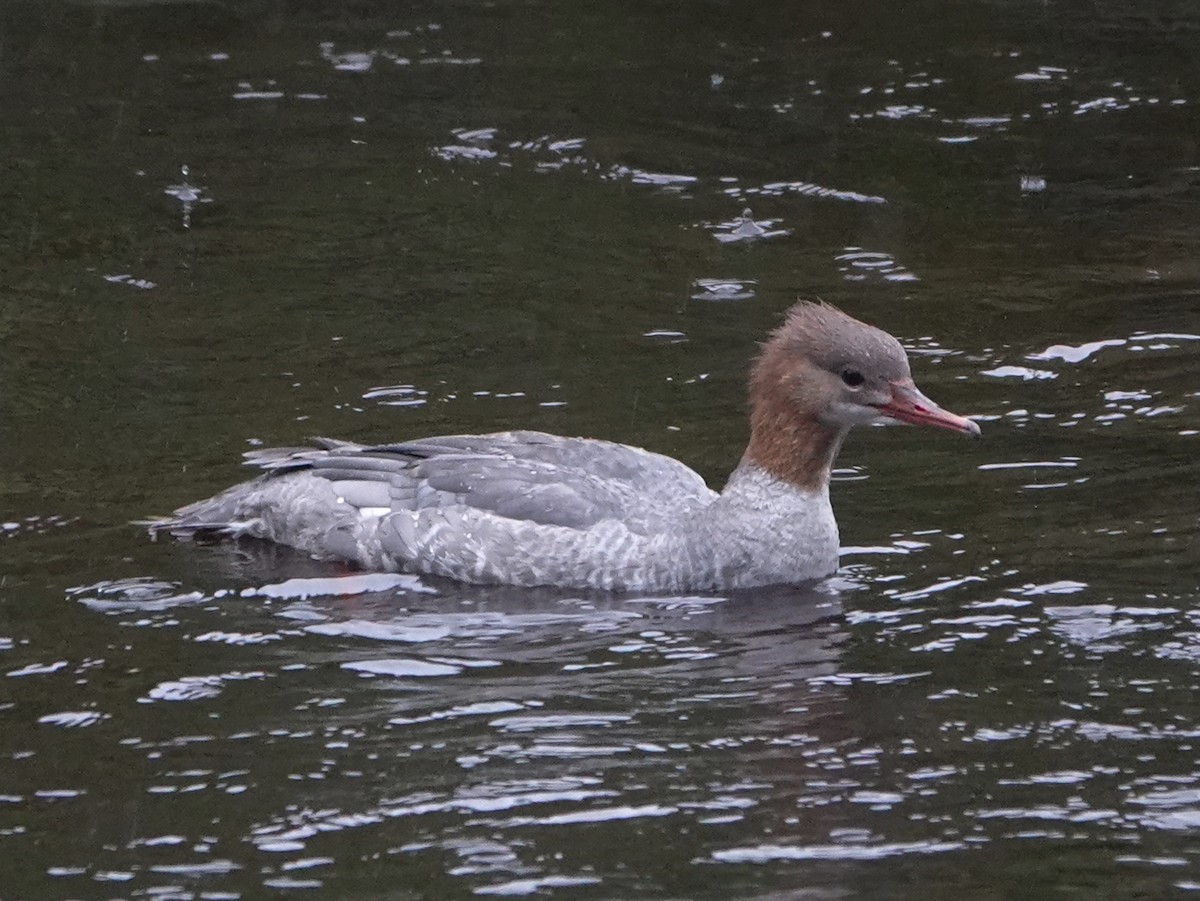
x: 524, y: 476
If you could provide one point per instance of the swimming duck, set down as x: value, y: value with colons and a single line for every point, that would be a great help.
x: 527, y: 508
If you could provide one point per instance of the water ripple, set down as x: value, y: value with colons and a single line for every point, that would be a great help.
x: 848, y: 851
x: 801, y: 189
x: 857, y: 265
x: 745, y: 228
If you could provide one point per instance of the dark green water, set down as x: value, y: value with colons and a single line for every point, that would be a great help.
x: 453, y: 217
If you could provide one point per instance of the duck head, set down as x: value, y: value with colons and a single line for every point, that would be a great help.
x: 821, y: 373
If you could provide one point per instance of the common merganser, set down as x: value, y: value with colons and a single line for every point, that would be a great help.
x: 527, y: 508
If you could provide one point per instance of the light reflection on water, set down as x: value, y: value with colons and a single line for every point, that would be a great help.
x: 539, y: 679
x: 463, y: 728
x: 516, y: 704
x: 459, y: 225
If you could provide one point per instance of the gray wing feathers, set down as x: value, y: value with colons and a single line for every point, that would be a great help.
x: 522, y: 508
x: 519, y: 489
x: 283, y: 459
x: 525, y: 476
x: 360, y: 493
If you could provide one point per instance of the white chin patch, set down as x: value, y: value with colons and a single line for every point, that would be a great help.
x: 846, y: 415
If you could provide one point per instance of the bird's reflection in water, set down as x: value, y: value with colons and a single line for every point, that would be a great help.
x: 495, y: 710
x: 780, y: 633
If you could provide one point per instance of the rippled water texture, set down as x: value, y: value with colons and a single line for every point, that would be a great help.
x: 235, y: 225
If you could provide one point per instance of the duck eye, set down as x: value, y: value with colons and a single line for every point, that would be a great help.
x: 852, y: 377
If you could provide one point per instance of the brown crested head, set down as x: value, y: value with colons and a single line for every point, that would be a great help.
x: 819, y: 374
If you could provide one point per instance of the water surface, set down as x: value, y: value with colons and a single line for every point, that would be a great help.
x: 229, y: 226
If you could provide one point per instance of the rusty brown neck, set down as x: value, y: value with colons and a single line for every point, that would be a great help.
x: 798, y: 449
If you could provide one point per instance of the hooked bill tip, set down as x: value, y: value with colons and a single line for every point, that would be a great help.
x: 908, y: 404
